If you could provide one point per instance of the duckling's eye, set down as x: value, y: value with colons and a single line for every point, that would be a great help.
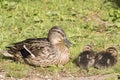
x: 87, y: 48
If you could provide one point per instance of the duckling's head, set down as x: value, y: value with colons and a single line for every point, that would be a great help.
x: 88, y: 48
x: 57, y: 35
x: 112, y: 50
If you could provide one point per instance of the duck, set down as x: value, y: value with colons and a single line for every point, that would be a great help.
x: 86, y: 58
x: 43, y: 52
x: 106, y: 58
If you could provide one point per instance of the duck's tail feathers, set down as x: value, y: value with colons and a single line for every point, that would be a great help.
x: 6, y: 53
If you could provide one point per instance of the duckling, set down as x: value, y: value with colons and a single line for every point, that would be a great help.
x: 86, y: 57
x: 107, y: 58
x: 42, y: 52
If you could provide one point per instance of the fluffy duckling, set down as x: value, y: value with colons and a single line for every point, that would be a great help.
x: 106, y: 58
x: 42, y: 51
x: 86, y: 58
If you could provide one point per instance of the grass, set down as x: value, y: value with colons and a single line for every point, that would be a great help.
x: 15, y: 70
x: 84, y: 21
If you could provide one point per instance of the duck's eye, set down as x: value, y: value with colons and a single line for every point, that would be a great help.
x: 88, y: 48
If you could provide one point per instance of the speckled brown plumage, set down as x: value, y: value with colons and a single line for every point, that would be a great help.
x: 42, y: 51
x: 107, y: 58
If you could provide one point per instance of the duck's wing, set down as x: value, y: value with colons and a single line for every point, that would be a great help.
x: 30, y: 47
x: 40, y: 53
x: 29, y: 42
x: 39, y: 47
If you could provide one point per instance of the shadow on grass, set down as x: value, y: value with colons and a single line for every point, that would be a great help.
x: 7, y: 58
x: 116, y: 2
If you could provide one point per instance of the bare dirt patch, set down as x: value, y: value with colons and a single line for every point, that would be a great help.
x: 35, y: 75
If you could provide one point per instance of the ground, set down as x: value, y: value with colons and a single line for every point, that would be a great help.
x: 34, y: 75
x: 85, y: 22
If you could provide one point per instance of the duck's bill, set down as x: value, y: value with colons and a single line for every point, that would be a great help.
x: 68, y: 43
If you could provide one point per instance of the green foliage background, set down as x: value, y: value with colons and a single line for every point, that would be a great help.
x: 84, y: 21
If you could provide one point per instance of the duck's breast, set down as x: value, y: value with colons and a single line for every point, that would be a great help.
x: 62, y: 54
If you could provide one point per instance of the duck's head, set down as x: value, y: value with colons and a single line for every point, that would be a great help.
x: 57, y: 35
x: 112, y: 50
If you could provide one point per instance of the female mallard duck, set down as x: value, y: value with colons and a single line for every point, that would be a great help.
x: 106, y: 58
x: 42, y: 51
x: 86, y: 57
